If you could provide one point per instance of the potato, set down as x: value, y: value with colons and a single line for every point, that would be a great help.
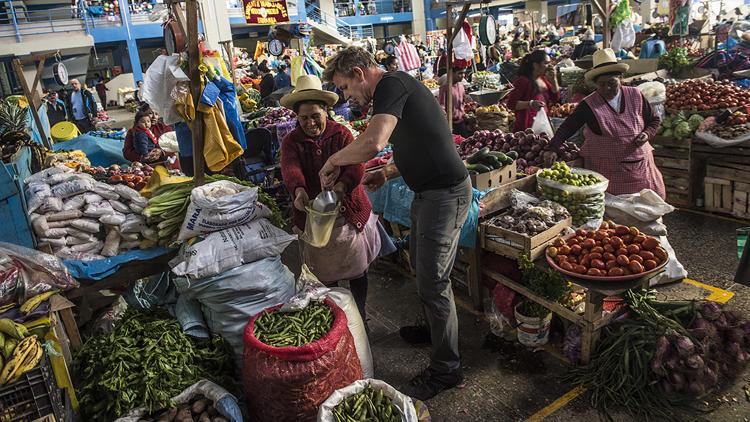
x: 184, y: 415
x: 199, y: 406
x: 168, y: 416
x: 219, y: 419
x: 212, y: 411
x: 204, y: 417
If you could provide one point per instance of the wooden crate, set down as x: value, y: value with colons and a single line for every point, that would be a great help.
x: 494, y: 178
x: 673, y: 158
x: 718, y: 194
x: 512, y: 245
x: 741, y: 200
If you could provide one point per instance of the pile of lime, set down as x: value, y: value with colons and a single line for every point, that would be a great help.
x: 561, y: 173
x: 582, y: 199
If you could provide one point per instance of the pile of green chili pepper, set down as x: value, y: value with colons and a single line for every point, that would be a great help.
x: 369, y: 404
x: 282, y: 329
x: 144, y: 362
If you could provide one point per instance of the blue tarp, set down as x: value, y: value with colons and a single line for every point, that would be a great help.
x: 101, y: 268
x: 100, y: 151
x: 394, y: 199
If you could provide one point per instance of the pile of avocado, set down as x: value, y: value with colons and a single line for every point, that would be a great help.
x: 484, y: 160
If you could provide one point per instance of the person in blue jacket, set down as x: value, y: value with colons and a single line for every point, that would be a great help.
x: 56, y: 111
x: 282, y: 79
x: 81, y: 107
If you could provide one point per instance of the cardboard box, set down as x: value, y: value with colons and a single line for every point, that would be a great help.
x: 494, y: 178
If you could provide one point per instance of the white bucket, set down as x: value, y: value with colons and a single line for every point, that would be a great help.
x: 532, y: 331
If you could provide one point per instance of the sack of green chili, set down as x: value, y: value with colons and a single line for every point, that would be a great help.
x: 369, y: 398
x: 290, y: 382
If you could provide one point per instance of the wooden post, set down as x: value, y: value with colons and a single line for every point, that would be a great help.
x: 607, y: 29
x: 32, y: 97
x: 194, y: 74
x: 449, y: 65
x: 451, y: 34
x: 230, y: 55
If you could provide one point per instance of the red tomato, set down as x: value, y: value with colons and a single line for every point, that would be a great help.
x: 623, y: 260
x: 615, y: 272
x: 634, y: 249
x: 635, y: 257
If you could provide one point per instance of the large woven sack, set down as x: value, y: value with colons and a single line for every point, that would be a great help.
x: 290, y: 383
x: 492, y: 121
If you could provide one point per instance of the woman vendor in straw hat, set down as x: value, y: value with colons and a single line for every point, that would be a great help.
x: 619, y: 123
x: 355, y: 241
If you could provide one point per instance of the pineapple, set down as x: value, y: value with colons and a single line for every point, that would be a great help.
x: 12, y: 123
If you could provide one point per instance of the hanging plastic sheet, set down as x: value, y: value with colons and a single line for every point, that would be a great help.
x: 101, y: 268
x: 228, y: 97
x: 100, y: 151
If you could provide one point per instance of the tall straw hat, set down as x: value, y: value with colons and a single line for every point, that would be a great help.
x: 308, y: 87
x: 604, y: 61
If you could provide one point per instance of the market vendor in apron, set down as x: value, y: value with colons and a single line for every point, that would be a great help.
x: 619, y: 123
x: 355, y: 241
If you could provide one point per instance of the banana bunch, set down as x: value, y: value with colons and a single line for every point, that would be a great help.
x: 25, y: 357
x: 31, y: 304
x: 248, y: 104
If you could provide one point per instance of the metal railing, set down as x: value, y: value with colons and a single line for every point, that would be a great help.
x: 367, y: 8
x: 16, y: 20
x: 316, y: 15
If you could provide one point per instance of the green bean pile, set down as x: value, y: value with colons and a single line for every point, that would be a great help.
x: 368, y: 405
x: 282, y: 329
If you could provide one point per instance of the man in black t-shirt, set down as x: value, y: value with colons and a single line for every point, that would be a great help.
x: 406, y: 114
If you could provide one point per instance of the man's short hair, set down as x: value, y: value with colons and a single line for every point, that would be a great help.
x: 346, y: 60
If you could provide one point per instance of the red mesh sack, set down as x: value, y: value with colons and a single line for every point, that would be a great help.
x: 290, y: 383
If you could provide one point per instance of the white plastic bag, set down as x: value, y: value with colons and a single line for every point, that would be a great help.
x: 673, y: 271
x: 36, y: 194
x: 72, y: 187
x: 86, y: 225
x: 114, y: 218
x: 98, y: 209
x: 462, y: 47
x: 74, y: 203
x: 345, y: 300
x: 585, y: 203
x: 229, y: 248
x: 105, y: 191
x: 403, y: 402
x: 220, y: 205
x: 119, y: 206
x: 44, y: 175
x: 158, y: 82
x: 644, y: 206
x: 718, y: 142
x: 50, y: 204
x: 624, y: 36
x: 221, y: 399
x: 133, y: 224
x: 541, y: 123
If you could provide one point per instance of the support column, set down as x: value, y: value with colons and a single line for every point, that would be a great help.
x: 135, y: 60
x: 418, y: 23
x: 328, y: 10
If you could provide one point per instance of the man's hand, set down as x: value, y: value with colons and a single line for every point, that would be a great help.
x: 549, y: 158
x: 374, y: 180
x: 641, y: 139
x: 300, y: 199
x: 329, y: 174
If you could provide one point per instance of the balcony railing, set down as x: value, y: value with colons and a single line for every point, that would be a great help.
x: 17, y: 21
x: 366, y: 8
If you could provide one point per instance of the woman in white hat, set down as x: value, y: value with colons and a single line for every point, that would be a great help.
x: 619, y: 123
x: 355, y: 241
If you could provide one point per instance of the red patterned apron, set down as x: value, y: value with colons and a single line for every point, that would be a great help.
x: 614, y: 154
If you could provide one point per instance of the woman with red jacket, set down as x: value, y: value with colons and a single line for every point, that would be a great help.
x: 355, y: 241
x: 140, y: 143
x: 535, y: 88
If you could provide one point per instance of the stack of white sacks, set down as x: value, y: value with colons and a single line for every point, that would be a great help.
x: 78, y: 217
x: 230, y: 262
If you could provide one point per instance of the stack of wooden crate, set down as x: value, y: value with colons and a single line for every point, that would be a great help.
x: 727, y: 185
x: 673, y: 157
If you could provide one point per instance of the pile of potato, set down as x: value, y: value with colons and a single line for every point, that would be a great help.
x: 198, y: 409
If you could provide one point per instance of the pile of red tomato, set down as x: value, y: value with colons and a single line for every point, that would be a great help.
x: 612, y: 251
x: 705, y: 95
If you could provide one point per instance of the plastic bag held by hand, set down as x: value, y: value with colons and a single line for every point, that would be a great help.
x: 541, y: 123
x: 25, y: 273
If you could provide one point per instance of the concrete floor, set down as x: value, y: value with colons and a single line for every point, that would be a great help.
x: 504, y: 381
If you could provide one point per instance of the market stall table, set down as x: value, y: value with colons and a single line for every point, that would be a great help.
x: 592, y: 320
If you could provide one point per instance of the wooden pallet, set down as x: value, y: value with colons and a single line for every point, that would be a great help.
x: 673, y: 158
x: 741, y: 200
x: 718, y: 195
